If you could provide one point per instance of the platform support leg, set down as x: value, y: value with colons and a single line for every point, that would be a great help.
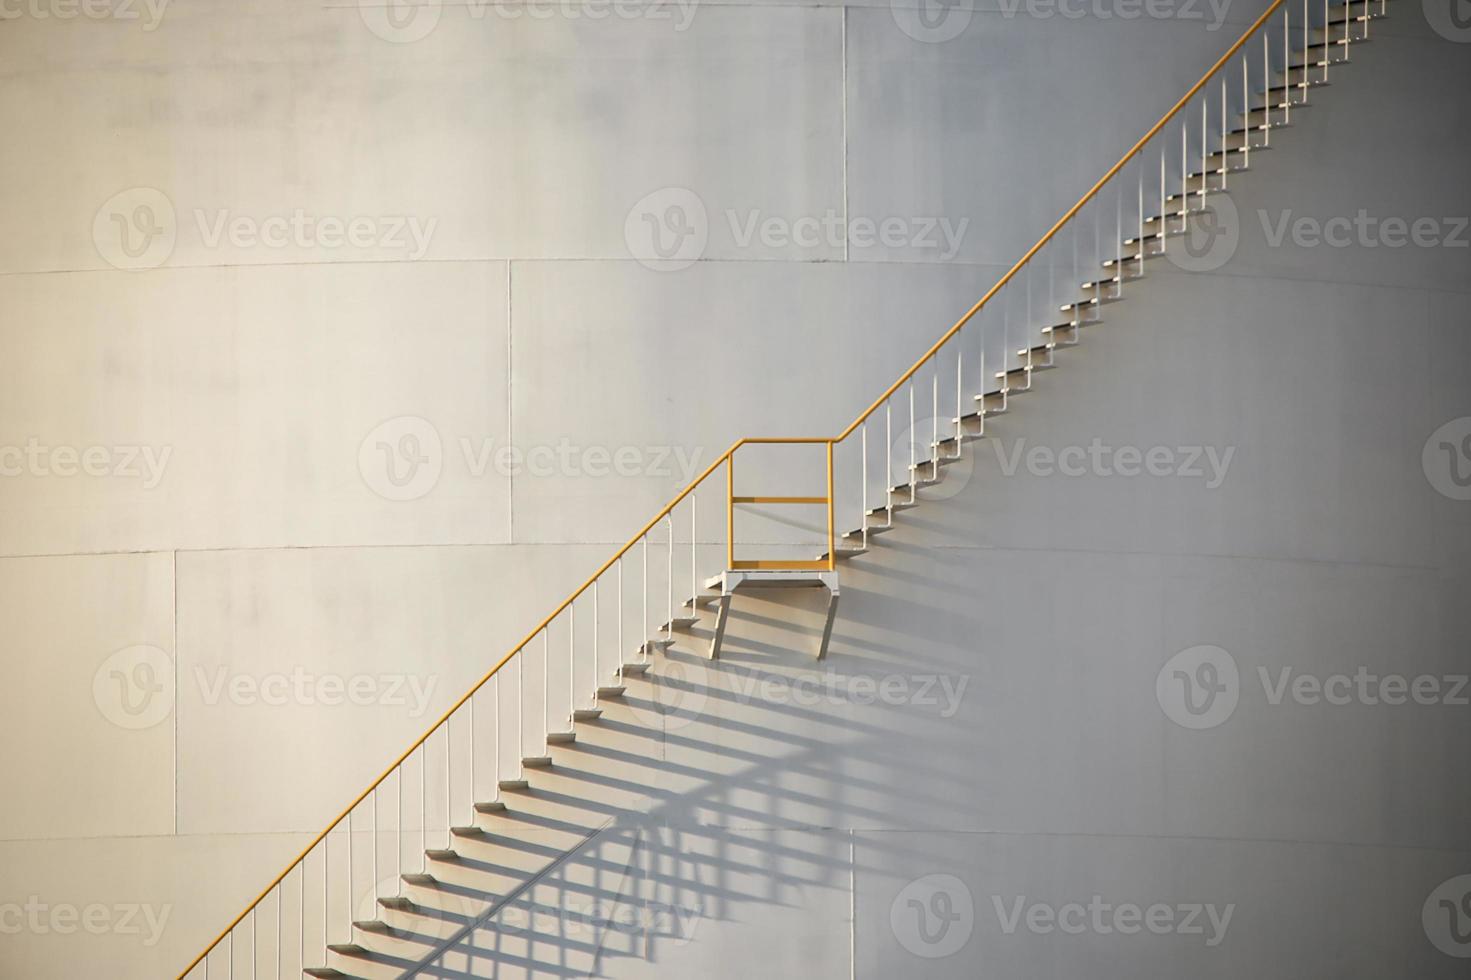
x: 827, y: 627
x: 722, y: 613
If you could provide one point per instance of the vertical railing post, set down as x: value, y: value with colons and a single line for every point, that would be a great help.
x: 730, y: 510
x: 832, y: 554
x: 1307, y: 54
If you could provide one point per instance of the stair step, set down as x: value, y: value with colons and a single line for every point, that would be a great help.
x: 397, y: 903
x: 493, y: 806
x: 326, y: 972
x: 561, y: 738
x: 421, y: 879
x: 633, y: 670
x: 1063, y: 334
x: 844, y: 553
x: 1081, y: 304
x: 679, y: 624
x: 470, y: 833
x: 896, y: 506
x: 587, y: 714
x: 514, y: 785
x: 920, y: 484
x: 441, y: 854
x: 651, y: 647
x: 372, y: 925
x: 1099, y: 285
x: 611, y: 691
x: 704, y: 599
x: 348, y: 949
x: 536, y: 761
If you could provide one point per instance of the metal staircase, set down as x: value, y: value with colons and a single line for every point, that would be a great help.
x: 437, y: 839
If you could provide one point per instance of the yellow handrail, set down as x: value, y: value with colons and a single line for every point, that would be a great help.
x: 728, y: 456
x: 1071, y: 214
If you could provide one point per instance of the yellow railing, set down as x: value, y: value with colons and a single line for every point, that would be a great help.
x: 727, y: 459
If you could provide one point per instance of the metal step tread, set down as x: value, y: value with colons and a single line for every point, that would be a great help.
x: 561, y: 738
x: 587, y: 714
x: 536, y: 761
